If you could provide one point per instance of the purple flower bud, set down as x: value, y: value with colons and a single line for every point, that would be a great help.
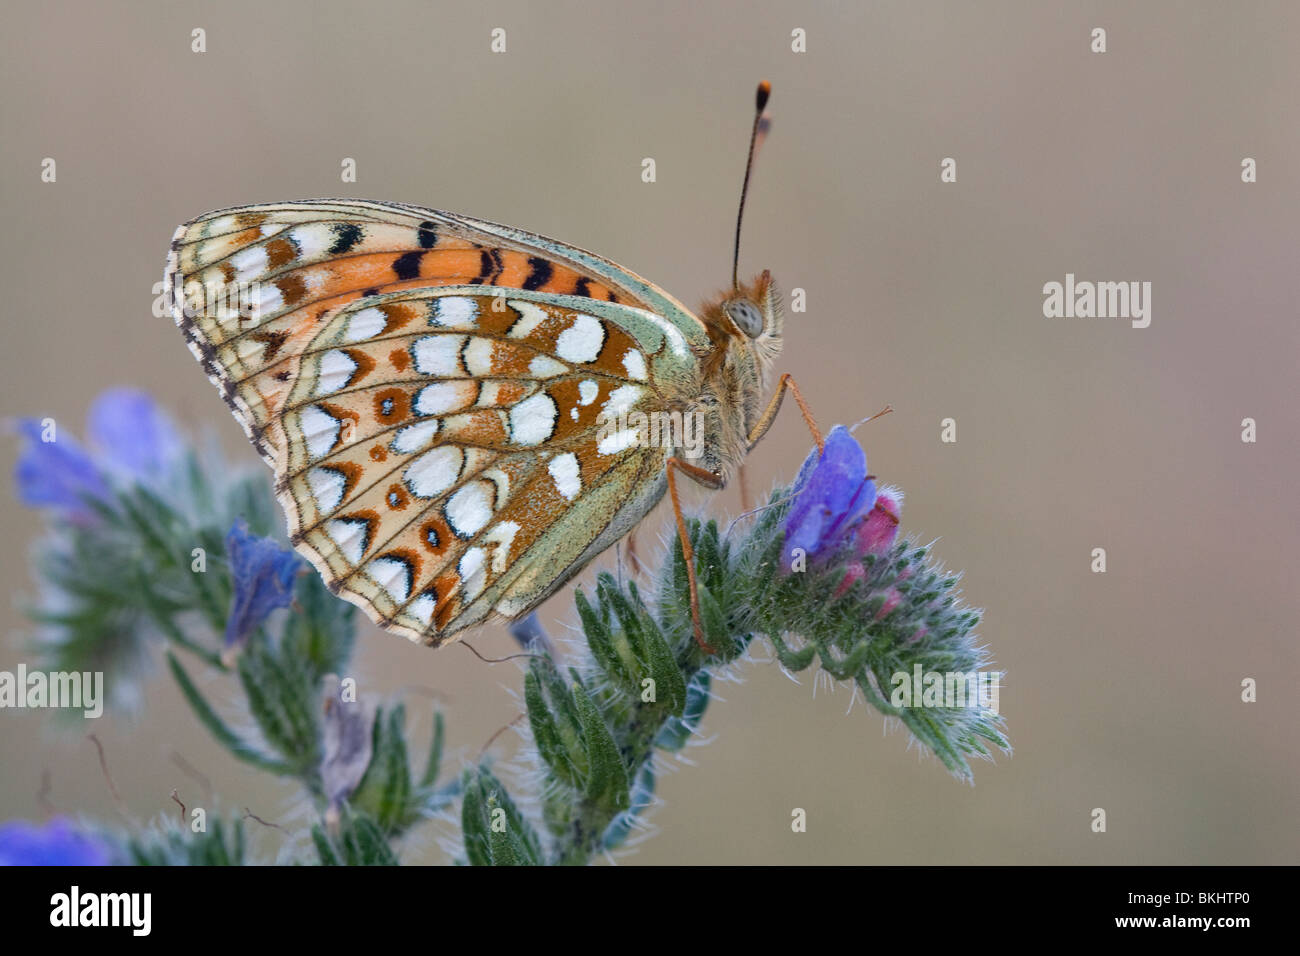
x: 57, y: 843
x: 263, y: 574
x: 833, y: 493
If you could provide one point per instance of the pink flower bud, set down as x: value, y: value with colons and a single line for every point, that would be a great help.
x: 852, y: 576
x: 877, y: 533
x: 893, y: 598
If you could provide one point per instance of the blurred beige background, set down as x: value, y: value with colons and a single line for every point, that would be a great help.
x: 1123, y: 689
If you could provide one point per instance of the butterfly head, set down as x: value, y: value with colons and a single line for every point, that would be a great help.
x: 751, y: 311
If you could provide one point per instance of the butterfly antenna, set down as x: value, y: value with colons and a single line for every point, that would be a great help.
x: 764, y: 91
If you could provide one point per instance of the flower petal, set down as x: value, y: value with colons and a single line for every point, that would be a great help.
x: 56, y: 474
x: 835, y: 494
x: 129, y: 430
x: 57, y: 843
x: 262, y: 572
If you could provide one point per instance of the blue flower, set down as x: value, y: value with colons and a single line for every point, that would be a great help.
x: 832, y: 494
x: 55, y: 844
x: 57, y: 474
x: 128, y: 435
x: 263, y: 574
x: 131, y: 433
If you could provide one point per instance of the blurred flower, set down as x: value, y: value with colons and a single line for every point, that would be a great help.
x: 832, y: 494
x: 262, y: 573
x: 530, y: 635
x: 127, y: 434
x: 57, y: 474
x: 131, y: 433
x: 57, y: 843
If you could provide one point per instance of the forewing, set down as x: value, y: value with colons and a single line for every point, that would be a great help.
x: 255, y: 284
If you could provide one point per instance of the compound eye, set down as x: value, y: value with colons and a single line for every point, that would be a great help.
x: 746, y: 315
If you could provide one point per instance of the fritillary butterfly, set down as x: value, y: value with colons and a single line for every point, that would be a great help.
x: 429, y: 389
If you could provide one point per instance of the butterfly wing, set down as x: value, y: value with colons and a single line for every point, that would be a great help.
x: 429, y: 390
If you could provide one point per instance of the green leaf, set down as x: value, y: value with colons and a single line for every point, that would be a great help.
x: 607, y: 783
x: 551, y: 743
x: 385, y: 791
x: 601, y: 640
x: 670, y: 681
x: 434, y: 762
x: 496, y: 833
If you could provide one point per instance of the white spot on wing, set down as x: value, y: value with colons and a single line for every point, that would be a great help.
x: 581, y: 341
x: 530, y: 317
x: 349, y: 537
x: 502, y: 535
x: 365, y: 324
x: 621, y: 400
x: 473, y: 574
x: 634, y: 362
x: 564, y: 470
x: 502, y: 482
x: 334, y: 372
x: 393, y: 576
x: 543, y: 366
x: 441, y: 398
x: 422, y: 609
x: 587, y: 392
x: 470, y: 509
x: 415, y: 437
x: 312, y: 241
x: 478, y: 356
x: 264, y: 299
x: 533, y: 420
x: 433, y: 472
x: 618, y: 441
x: 326, y: 487
x: 438, y: 355
x: 454, y: 312
x: 320, y: 429
x: 249, y: 263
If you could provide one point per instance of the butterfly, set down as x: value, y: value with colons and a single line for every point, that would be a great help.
x: 440, y: 396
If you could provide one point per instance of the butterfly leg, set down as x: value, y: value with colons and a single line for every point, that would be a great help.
x: 633, y: 561
x: 785, y: 384
x: 709, y: 480
x: 742, y: 479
